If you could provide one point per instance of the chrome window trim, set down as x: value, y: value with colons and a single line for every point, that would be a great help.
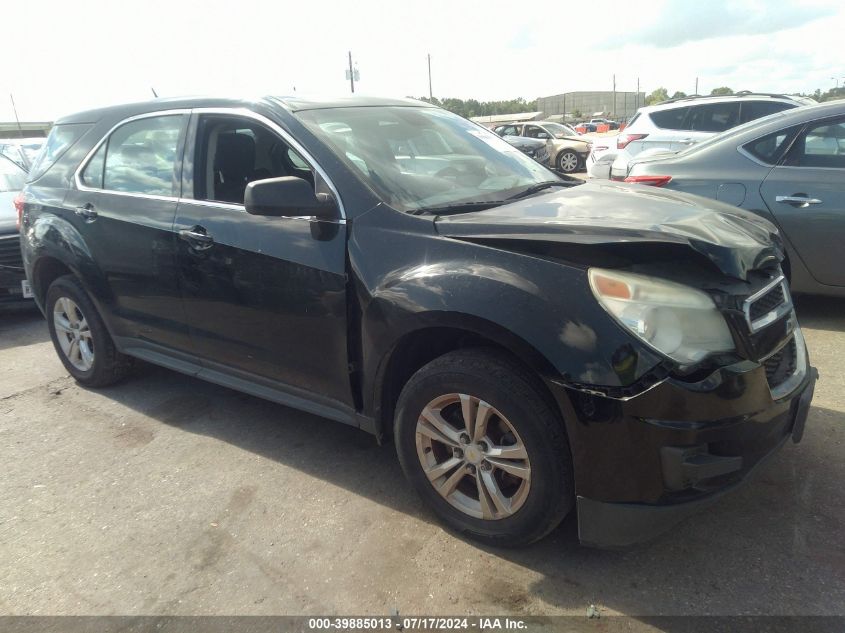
x: 146, y: 115
x: 243, y: 112
x: 773, y: 315
x: 287, y: 137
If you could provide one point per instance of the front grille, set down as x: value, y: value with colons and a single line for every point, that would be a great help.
x: 768, y: 302
x: 768, y: 305
x: 782, y: 364
x: 10, y: 252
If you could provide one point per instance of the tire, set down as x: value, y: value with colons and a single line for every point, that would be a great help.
x: 568, y: 161
x: 520, y: 421
x: 93, y: 360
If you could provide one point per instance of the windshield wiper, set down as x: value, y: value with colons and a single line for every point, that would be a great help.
x: 540, y: 186
x: 459, y: 207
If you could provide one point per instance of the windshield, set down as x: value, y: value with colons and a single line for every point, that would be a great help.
x: 559, y: 130
x: 12, y: 177
x: 419, y: 158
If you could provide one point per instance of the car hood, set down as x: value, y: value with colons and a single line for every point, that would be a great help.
x: 609, y: 213
x: 571, y: 139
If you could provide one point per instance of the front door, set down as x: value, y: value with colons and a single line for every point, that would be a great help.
x: 265, y: 296
x: 806, y: 194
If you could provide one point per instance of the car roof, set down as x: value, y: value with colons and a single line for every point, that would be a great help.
x: 293, y: 104
x: 740, y: 96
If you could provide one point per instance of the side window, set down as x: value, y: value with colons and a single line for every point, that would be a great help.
x: 141, y: 156
x: 671, y: 119
x: 535, y: 131
x: 770, y: 148
x: 232, y: 152
x: 822, y: 145
x: 751, y: 110
x: 60, y: 139
x: 92, y: 175
x: 714, y: 117
x: 507, y: 130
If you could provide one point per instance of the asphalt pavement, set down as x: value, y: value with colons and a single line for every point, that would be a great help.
x: 168, y: 495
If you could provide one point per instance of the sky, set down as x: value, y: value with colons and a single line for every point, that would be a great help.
x: 68, y: 56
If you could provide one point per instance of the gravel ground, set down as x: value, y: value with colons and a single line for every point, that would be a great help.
x: 167, y: 495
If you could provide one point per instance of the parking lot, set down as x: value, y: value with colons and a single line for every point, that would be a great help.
x: 168, y: 495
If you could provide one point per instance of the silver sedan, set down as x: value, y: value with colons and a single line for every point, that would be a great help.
x: 788, y: 167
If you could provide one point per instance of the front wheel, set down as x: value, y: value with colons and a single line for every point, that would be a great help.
x: 568, y: 161
x: 484, y: 449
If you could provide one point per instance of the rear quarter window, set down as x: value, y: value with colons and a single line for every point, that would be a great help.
x: 752, y: 110
x: 672, y: 119
x: 771, y: 147
x: 61, y: 138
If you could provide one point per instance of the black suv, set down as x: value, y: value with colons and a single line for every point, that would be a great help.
x: 529, y: 343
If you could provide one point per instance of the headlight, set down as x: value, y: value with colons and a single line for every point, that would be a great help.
x: 676, y: 320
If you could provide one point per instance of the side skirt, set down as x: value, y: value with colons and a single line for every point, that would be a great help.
x: 245, y: 382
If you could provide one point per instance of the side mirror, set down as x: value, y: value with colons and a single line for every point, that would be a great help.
x: 288, y: 196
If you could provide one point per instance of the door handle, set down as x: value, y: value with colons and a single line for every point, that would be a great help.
x: 197, y: 237
x: 86, y: 212
x: 685, y: 141
x: 798, y: 200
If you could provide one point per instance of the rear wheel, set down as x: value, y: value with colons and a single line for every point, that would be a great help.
x: 484, y: 449
x: 80, y: 337
x: 568, y: 161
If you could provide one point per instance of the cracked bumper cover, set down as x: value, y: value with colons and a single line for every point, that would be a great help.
x: 646, y: 463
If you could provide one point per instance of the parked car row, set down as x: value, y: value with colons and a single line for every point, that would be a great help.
x: 531, y: 343
x: 13, y: 284
x: 787, y: 167
x: 679, y: 123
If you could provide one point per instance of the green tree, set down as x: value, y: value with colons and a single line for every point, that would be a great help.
x: 724, y: 90
x: 679, y: 95
x: 661, y: 94
x: 576, y: 114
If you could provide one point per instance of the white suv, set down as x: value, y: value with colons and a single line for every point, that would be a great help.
x: 678, y: 123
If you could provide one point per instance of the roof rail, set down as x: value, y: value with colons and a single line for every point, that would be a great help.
x: 741, y: 93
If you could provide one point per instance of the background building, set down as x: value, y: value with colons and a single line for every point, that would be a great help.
x: 24, y: 129
x: 591, y: 103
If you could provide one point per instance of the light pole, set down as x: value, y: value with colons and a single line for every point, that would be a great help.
x: 430, y: 93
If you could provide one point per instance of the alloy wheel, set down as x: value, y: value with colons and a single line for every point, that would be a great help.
x: 73, y: 333
x: 473, y: 456
x: 568, y: 162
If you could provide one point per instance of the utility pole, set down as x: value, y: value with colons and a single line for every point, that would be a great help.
x: 351, y: 74
x: 614, y: 96
x: 17, y: 120
x: 638, y: 94
x: 696, y: 86
x: 430, y: 93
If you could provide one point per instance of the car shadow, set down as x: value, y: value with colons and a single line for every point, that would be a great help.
x: 763, y: 549
x: 21, y: 325
x: 821, y: 313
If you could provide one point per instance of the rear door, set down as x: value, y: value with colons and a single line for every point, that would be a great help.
x: 806, y: 193
x: 704, y: 120
x: 124, y: 205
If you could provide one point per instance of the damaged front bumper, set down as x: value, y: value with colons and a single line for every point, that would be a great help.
x: 646, y: 462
